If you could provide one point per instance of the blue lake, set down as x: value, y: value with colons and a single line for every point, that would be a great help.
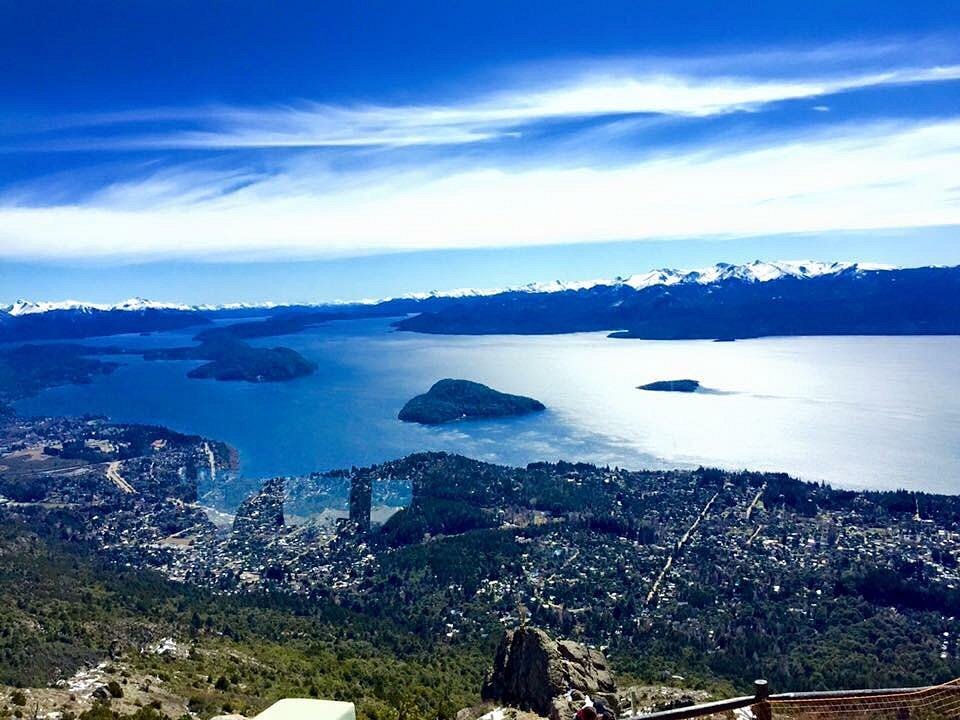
x: 875, y: 412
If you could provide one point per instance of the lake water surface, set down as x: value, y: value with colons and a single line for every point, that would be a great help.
x: 876, y: 412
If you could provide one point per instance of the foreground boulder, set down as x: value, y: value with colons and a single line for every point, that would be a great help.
x: 550, y: 677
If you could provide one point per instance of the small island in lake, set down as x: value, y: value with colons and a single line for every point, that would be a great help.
x: 687, y: 386
x: 255, y: 365
x: 230, y: 359
x: 450, y: 400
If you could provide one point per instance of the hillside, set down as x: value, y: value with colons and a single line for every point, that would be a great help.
x: 63, y: 611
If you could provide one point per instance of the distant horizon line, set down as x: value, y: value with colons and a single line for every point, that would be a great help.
x: 639, y: 281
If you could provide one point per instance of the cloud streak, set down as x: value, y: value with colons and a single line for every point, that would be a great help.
x: 312, y: 125
x: 855, y: 177
x: 561, y: 93
x: 607, y: 153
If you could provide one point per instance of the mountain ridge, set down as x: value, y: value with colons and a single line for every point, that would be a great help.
x: 731, y: 302
x: 755, y: 271
x: 725, y: 300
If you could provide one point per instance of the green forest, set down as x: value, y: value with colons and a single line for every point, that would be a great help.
x: 60, y: 610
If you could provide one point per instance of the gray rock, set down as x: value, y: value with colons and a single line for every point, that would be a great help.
x: 563, y: 709
x: 586, y: 669
x: 534, y: 672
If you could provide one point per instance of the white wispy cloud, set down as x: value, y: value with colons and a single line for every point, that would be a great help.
x: 584, y: 97
x: 673, y: 87
x: 589, y: 183
x: 849, y: 177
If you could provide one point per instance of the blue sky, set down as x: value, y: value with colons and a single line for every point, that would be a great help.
x: 217, y: 151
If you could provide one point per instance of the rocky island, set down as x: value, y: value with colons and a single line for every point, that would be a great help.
x: 687, y: 386
x: 450, y: 400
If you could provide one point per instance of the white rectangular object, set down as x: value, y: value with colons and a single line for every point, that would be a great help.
x: 308, y: 709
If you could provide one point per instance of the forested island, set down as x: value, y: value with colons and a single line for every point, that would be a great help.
x: 27, y: 369
x: 232, y: 359
x: 450, y: 400
x: 686, y: 386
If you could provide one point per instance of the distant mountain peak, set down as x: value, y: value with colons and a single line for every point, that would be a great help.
x: 135, y: 304
x: 756, y: 271
x: 751, y: 272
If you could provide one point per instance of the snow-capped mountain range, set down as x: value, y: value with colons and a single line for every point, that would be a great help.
x: 757, y: 271
x: 723, y: 301
x: 28, y: 307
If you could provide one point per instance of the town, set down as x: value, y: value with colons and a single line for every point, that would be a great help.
x: 738, y: 567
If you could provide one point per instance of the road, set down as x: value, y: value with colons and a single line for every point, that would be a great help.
x: 113, y: 474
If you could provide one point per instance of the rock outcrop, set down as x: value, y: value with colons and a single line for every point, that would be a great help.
x: 534, y: 672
